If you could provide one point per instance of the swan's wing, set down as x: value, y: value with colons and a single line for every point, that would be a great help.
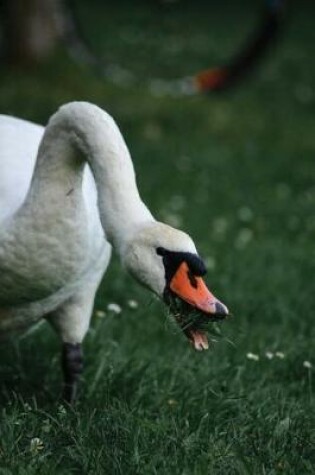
x: 19, y: 142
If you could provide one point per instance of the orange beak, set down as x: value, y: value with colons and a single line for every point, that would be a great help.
x: 194, y: 291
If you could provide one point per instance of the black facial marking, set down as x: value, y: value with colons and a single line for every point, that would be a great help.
x: 172, y: 260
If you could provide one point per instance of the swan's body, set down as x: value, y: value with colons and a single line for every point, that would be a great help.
x: 62, y: 209
x: 48, y: 252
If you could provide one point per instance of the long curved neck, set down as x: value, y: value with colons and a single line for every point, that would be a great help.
x: 79, y: 133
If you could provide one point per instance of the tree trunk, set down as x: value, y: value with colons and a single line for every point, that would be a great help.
x: 30, y: 32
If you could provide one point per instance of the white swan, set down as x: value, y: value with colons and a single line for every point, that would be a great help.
x: 59, y: 219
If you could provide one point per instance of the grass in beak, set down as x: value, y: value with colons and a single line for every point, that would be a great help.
x: 190, y: 318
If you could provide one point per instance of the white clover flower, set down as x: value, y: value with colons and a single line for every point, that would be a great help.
x: 114, y: 307
x: 283, y: 191
x: 173, y: 219
x: 280, y: 355
x: 46, y: 427
x: 220, y: 225
x: 304, y: 93
x: 100, y: 313
x: 133, y: 304
x: 36, y: 445
x: 307, y: 364
x: 152, y: 131
x: 62, y: 410
x: 177, y: 202
x: 172, y: 402
x: 243, y: 238
x: 269, y: 355
x: 252, y: 356
x: 210, y: 263
x: 245, y: 214
x: 183, y: 163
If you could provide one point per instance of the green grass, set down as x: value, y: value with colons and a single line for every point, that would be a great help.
x: 237, y: 171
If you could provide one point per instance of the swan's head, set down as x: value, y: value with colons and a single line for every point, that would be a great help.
x: 165, y: 260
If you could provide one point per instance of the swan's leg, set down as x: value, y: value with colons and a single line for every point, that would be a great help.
x: 72, y: 366
x: 71, y: 321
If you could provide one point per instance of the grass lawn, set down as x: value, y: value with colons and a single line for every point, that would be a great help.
x: 237, y: 172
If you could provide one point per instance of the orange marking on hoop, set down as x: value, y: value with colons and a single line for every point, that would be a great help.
x: 210, y: 79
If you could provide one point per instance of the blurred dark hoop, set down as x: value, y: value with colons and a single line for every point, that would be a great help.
x: 257, y: 44
x: 214, y: 79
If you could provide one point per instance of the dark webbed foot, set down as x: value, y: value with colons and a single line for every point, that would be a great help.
x: 72, y: 366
